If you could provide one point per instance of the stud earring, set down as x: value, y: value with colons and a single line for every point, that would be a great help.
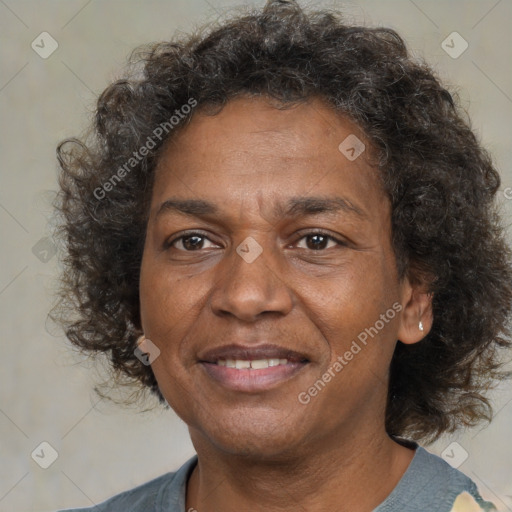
x: 421, y: 326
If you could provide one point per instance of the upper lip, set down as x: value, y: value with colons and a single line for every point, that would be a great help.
x: 251, y: 353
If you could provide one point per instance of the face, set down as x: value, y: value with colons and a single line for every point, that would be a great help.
x: 269, y: 250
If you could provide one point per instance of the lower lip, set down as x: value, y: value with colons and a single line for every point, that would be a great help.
x: 249, y: 380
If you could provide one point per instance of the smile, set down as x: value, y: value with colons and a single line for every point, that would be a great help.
x: 258, y: 364
x: 252, y: 369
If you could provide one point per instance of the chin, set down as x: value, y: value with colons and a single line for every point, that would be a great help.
x: 266, y: 440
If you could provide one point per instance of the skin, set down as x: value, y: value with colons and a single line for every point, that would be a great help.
x: 265, y: 450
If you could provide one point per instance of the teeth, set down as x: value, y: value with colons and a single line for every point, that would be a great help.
x: 257, y: 364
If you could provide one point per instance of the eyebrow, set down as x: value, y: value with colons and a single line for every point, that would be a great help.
x: 295, y: 207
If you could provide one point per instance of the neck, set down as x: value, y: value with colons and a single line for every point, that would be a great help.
x: 354, y: 472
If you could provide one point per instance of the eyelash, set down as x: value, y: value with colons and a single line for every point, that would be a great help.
x: 170, y: 243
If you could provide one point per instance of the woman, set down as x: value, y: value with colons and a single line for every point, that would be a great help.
x: 285, y: 229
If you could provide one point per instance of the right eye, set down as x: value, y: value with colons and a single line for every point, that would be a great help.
x: 188, y: 242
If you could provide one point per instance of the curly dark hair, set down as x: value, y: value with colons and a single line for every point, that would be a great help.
x: 446, y: 230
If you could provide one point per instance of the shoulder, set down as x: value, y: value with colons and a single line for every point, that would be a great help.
x: 431, y: 483
x: 156, y: 495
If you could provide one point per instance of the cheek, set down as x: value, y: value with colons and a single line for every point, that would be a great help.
x: 350, y: 297
x: 164, y: 298
x: 165, y: 304
x: 171, y: 305
x: 355, y: 314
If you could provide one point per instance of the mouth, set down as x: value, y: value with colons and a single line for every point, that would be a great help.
x: 252, y: 369
x: 257, y: 364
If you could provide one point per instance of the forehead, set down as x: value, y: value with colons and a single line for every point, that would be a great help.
x: 256, y: 125
x: 252, y: 148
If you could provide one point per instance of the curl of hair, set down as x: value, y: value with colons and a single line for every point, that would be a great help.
x: 441, y: 183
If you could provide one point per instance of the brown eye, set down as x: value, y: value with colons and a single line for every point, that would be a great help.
x: 189, y: 242
x: 319, y: 241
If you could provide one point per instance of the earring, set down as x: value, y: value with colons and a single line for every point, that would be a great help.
x: 421, y: 326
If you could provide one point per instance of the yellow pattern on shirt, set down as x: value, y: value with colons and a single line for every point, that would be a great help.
x: 466, y: 503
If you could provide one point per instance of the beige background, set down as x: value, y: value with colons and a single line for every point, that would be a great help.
x: 45, y: 395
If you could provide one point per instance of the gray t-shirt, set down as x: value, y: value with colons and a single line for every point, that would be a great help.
x: 428, y: 484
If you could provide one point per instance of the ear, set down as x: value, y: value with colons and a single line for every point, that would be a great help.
x: 416, y: 308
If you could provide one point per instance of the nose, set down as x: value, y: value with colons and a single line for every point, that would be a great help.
x: 246, y: 288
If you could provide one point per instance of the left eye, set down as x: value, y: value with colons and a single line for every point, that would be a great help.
x: 319, y: 241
